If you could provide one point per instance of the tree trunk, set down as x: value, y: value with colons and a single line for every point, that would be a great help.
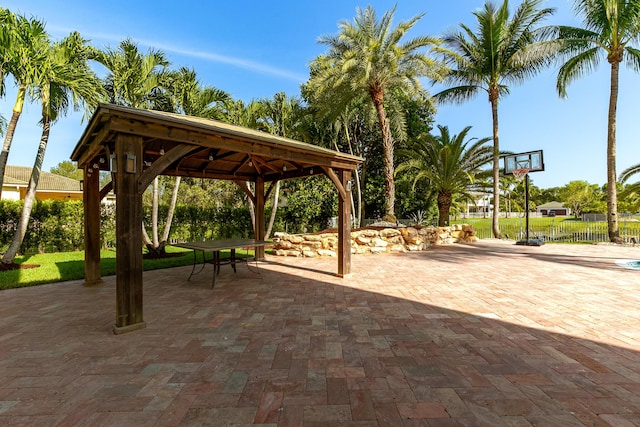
x: 172, y: 208
x: 358, y: 216
x: 11, y: 129
x: 387, y: 149
x: 154, y: 214
x: 444, y: 207
x: 612, y: 179
x: 493, y: 98
x: 21, y: 229
x: 274, y: 209
x: 252, y: 209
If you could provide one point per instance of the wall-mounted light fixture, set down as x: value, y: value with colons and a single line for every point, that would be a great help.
x: 130, y: 164
x: 311, y: 171
x: 114, y: 163
x: 349, y: 185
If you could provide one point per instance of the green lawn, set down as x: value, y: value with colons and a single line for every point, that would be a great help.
x: 63, y: 266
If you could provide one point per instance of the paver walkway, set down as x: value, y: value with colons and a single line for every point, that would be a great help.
x: 489, y: 334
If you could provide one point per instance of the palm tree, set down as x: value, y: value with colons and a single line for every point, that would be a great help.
x: 280, y: 116
x: 63, y: 79
x: 609, y: 27
x: 183, y: 93
x: 135, y: 80
x: 504, y: 50
x: 23, y: 44
x: 369, y: 58
x: 628, y: 173
x: 450, y: 163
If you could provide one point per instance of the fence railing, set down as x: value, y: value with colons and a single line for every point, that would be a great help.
x: 565, y: 231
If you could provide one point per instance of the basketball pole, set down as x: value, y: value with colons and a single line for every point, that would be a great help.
x: 526, y: 205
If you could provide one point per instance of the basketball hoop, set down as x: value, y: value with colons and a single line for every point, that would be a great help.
x: 519, y: 174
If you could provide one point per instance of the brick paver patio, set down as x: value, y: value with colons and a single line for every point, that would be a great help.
x: 489, y: 334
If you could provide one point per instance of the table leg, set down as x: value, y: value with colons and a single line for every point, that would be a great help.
x: 233, y: 259
x: 216, y: 267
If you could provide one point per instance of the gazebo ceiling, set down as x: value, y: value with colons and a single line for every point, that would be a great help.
x: 180, y: 145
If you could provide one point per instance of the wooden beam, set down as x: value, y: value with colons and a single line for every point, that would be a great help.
x: 260, y: 218
x: 336, y: 181
x: 91, y: 201
x: 162, y: 163
x: 344, y: 225
x: 129, y: 304
x: 247, y: 191
x: 106, y: 189
x: 233, y: 143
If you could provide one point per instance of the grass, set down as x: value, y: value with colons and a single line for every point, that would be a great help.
x: 63, y: 266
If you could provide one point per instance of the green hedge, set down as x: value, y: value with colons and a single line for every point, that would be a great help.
x: 57, y: 226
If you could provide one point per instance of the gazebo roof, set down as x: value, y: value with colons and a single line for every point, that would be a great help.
x: 203, y: 148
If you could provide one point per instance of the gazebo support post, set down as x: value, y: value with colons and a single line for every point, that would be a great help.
x: 344, y: 225
x: 91, y: 202
x: 128, y: 150
x: 260, y: 218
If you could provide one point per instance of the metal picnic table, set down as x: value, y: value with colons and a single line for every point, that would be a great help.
x: 215, y: 246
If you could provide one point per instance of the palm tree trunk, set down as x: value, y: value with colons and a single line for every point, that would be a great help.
x: 493, y: 98
x: 612, y: 191
x: 171, y: 210
x: 444, y: 207
x: 11, y: 129
x: 274, y: 209
x: 154, y: 214
x: 252, y: 208
x: 387, y: 149
x: 358, y: 216
x: 21, y: 229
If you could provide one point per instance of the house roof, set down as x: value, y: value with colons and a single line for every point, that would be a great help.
x: 20, y: 175
x: 551, y: 205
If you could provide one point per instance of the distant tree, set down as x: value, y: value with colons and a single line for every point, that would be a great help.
x: 504, y: 50
x: 369, y: 58
x: 451, y: 164
x: 69, y: 169
x: 610, y: 26
x: 580, y: 196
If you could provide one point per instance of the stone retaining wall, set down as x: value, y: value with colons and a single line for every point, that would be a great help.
x: 373, y: 240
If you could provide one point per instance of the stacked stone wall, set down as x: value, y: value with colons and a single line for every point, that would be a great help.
x: 373, y: 240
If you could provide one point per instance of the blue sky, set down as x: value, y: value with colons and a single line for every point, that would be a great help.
x: 255, y: 49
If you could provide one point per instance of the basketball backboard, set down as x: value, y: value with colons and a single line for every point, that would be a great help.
x: 531, y: 160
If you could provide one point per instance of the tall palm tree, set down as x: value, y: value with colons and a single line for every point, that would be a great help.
x: 369, y: 58
x: 609, y: 28
x: 504, y: 50
x: 63, y: 79
x: 186, y: 95
x: 450, y: 164
x: 280, y: 116
x: 23, y: 44
x: 135, y: 80
x: 134, y: 77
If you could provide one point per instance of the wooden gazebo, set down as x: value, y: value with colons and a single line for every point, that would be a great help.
x: 138, y: 145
